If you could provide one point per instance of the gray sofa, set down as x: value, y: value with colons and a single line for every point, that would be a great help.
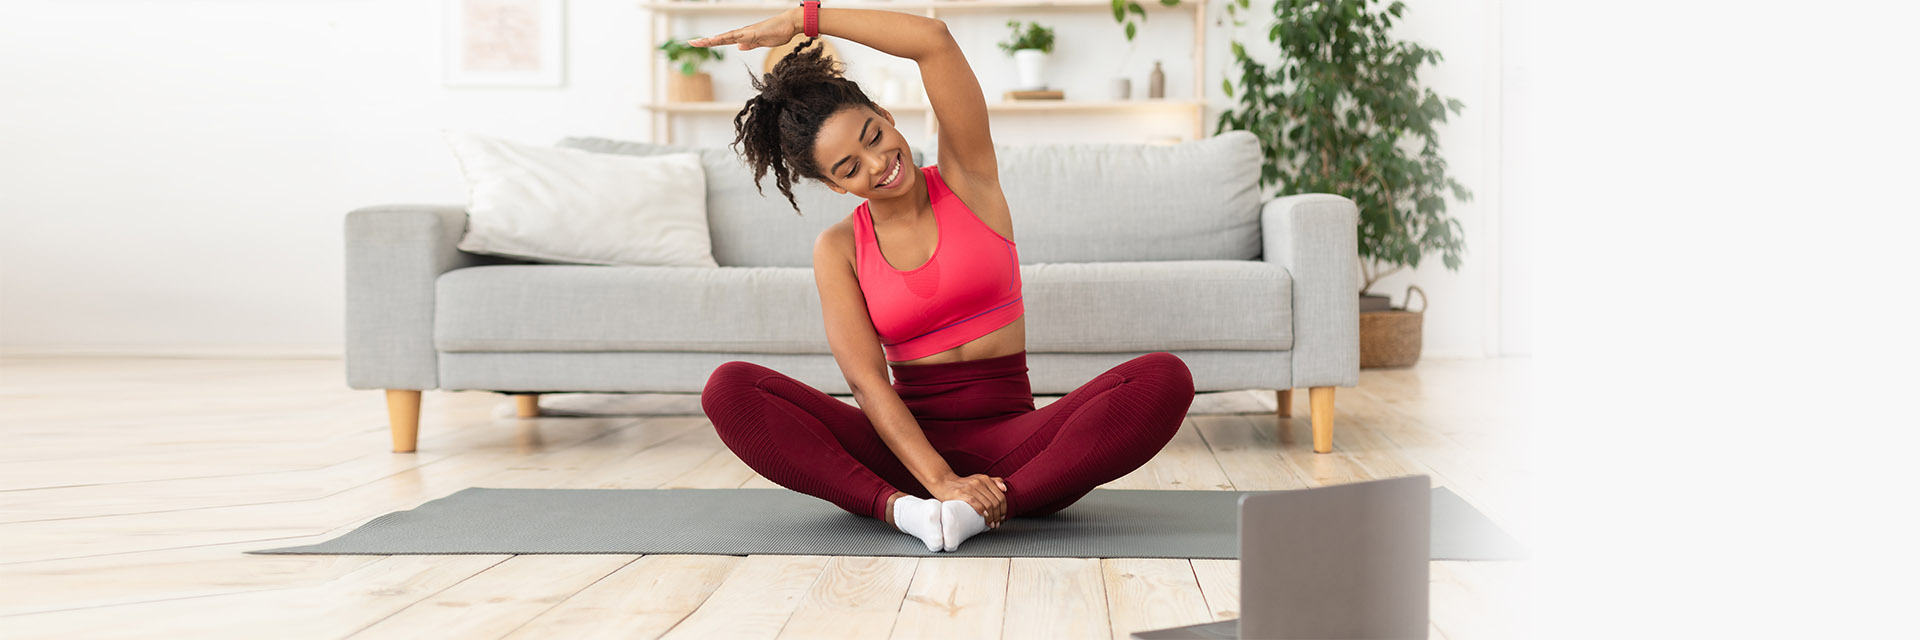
x: 1125, y: 249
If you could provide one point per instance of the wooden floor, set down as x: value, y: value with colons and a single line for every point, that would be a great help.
x: 129, y: 489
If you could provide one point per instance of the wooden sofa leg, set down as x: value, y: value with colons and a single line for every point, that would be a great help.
x: 403, y: 414
x: 1322, y: 400
x: 1286, y: 402
x: 527, y: 404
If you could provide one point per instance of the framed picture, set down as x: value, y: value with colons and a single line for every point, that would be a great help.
x: 504, y: 43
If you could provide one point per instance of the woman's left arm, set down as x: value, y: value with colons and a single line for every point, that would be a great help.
x: 966, y: 143
x: 892, y: 32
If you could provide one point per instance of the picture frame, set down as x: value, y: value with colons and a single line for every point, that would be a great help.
x: 503, y: 43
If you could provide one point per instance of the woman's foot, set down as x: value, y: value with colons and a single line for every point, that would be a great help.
x: 920, y: 518
x: 958, y: 522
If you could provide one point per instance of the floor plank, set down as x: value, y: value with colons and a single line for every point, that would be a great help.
x: 1245, y: 453
x: 855, y: 599
x: 1185, y: 463
x: 1219, y: 585
x: 1152, y: 593
x: 504, y: 596
x: 1056, y: 599
x: 755, y: 600
x: 955, y: 599
x: 640, y: 601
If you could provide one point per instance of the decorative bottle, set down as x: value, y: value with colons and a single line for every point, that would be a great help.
x: 1157, y: 82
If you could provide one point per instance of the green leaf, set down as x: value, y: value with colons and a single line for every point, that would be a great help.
x: 1119, y: 10
x: 1129, y: 32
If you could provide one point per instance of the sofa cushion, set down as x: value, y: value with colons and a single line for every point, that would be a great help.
x: 749, y: 229
x: 1091, y: 307
x: 1071, y: 202
x: 1105, y: 202
x: 548, y: 204
x: 1157, y: 306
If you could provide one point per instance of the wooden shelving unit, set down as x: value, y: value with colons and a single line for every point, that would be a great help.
x: 660, y: 24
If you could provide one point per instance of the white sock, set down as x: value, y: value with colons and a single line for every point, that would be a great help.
x: 920, y: 517
x: 958, y: 521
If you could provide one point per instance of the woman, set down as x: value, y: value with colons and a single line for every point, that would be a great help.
x: 954, y: 446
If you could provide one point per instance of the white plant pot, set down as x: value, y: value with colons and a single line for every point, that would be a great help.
x: 1032, y: 65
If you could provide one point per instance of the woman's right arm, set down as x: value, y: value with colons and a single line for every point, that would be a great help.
x: 856, y: 346
x: 895, y: 33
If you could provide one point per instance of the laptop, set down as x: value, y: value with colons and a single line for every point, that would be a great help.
x: 1346, y: 561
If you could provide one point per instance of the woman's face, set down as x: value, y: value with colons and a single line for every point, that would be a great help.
x: 858, y: 149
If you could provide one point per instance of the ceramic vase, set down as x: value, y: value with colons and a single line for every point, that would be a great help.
x: 1032, y: 65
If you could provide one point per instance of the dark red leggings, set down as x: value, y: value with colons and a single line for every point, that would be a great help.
x: 980, y: 416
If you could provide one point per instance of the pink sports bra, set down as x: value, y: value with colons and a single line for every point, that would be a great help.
x: 967, y: 289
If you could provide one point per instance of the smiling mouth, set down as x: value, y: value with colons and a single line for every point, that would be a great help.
x: 899, y: 169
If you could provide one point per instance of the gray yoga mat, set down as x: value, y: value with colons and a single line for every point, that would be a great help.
x: 1107, y: 523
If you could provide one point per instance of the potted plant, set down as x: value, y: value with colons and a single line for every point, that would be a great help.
x: 1029, y: 49
x: 1334, y: 116
x: 690, y: 84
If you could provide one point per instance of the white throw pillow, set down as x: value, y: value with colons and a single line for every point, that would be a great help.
x: 567, y: 205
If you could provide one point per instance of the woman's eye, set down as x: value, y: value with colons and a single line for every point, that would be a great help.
x: 856, y: 165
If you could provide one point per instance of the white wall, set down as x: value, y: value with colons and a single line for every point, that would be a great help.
x: 175, y: 172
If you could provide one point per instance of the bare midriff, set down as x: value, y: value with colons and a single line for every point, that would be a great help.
x: 1004, y: 341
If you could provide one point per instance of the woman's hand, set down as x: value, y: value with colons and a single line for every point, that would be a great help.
x: 771, y: 32
x: 987, y: 495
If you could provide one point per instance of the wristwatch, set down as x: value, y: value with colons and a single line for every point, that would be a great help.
x: 811, y: 20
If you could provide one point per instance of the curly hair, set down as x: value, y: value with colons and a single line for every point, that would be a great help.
x: 779, y: 126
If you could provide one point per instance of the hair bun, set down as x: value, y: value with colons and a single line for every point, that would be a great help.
x: 778, y: 127
x: 806, y: 63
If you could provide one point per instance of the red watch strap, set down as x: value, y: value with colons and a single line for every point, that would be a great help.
x: 811, y: 20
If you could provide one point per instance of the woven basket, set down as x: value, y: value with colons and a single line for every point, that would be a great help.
x: 1392, y: 338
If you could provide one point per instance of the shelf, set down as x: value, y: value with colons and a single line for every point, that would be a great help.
x: 943, y: 6
x: 662, y: 14
x: 915, y: 107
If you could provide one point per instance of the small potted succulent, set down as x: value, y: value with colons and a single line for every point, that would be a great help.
x: 1029, y: 48
x: 690, y: 84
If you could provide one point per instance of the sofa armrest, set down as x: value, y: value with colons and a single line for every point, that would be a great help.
x: 1316, y: 237
x: 393, y: 255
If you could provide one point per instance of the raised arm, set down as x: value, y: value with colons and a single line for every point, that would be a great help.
x: 966, y: 143
x: 895, y: 33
